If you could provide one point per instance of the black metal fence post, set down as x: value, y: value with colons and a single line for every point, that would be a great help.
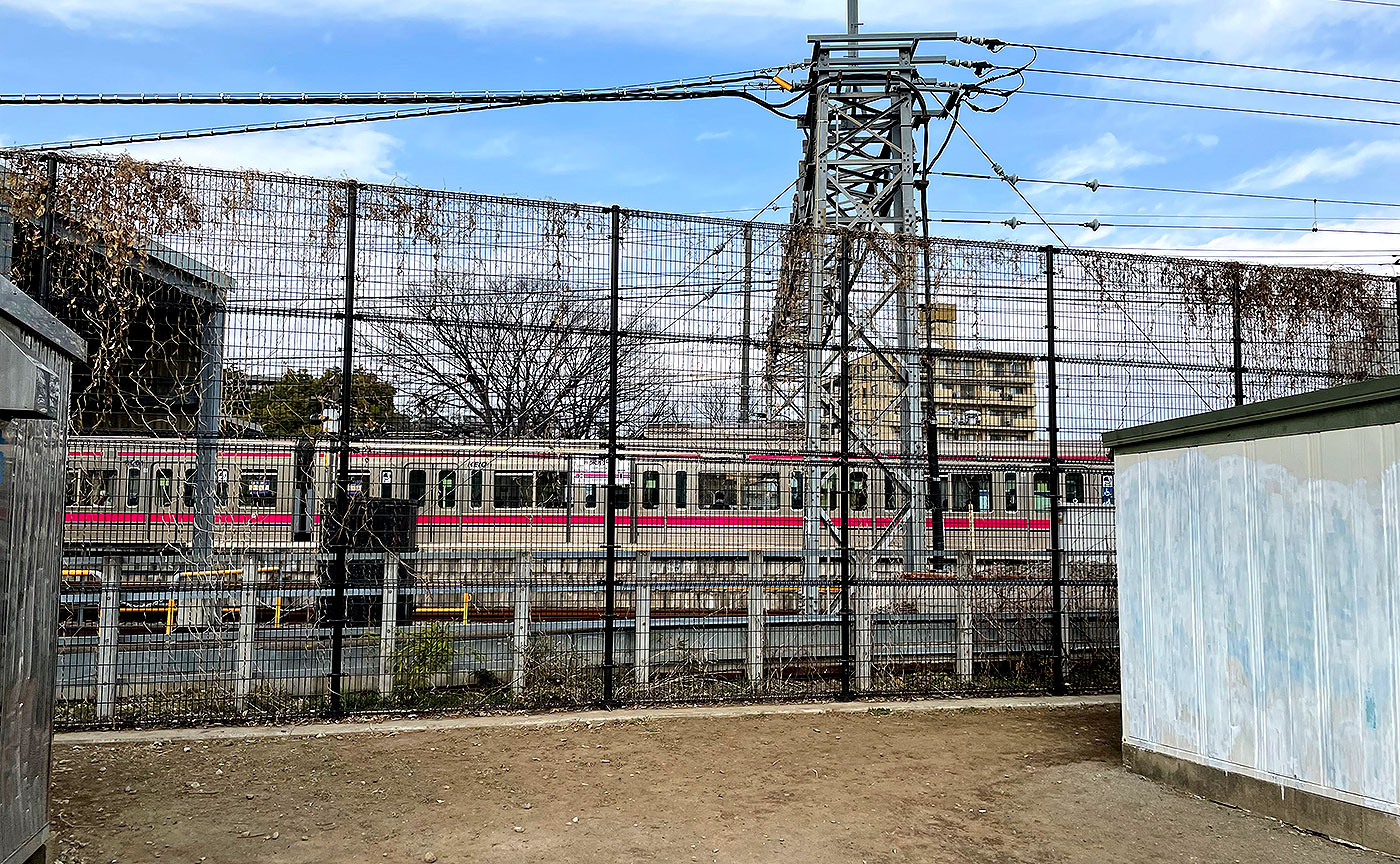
x: 610, y: 508
x: 46, y: 228
x: 341, y: 539
x: 843, y: 421
x: 1052, y: 387
x: 1236, y: 336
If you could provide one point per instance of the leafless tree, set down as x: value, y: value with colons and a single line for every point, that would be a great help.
x: 518, y: 357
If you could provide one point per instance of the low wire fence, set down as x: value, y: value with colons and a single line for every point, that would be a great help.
x: 342, y: 447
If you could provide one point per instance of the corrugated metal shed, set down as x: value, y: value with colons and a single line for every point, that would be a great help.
x: 1259, y: 591
x: 38, y: 354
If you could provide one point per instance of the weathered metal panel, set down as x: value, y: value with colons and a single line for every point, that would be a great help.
x: 1260, y: 611
x: 32, y: 455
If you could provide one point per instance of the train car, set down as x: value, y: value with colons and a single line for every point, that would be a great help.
x: 678, y: 492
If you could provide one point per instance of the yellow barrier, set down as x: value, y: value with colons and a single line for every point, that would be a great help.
x: 442, y: 610
x: 170, y: 616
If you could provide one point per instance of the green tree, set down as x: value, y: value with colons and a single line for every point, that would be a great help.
x: 293, y: 405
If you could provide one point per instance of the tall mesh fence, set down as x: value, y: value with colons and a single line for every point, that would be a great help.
x: 589, y: 455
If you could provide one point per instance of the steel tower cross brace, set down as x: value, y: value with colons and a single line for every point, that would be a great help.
x: 859, y: 175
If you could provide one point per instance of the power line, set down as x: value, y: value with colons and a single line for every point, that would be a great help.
x: 1014, y: 223
x: 1216, y: 86
x: 1371, y: 3
x: 995, y: 43
x: 1162, y: 103
x: 1095, y: 185
x: 1126, y: 316
x: 403, y: 114
x: 757, y: 79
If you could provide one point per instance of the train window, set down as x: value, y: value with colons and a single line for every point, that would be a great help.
x: 447, y: 490
x: 651, y: 490
x: 891, y: 494
x: 795, y: 487
x: 680, y: 490
x: 514, y: 490
x: 860, y: 486
x: 70, y: 489
x: 590, y: 496
x: 94, y: 487
x: 1074, y: 488
x: 133, y: 487
x: 386, y: 483
x: 257, y: 488
x: 187, y: 492
x: 165, y: 487
x: 1010, y: 492
x: 622, y: 497
x: 759, y: 492
x: 972, y: 492
x: 719, y: 491
x: 1107, y: 489
x: 418, y: 486
x: 476, y: 489
x: 550, y: 487
x: 1042, y: 492
x: 357, y: 483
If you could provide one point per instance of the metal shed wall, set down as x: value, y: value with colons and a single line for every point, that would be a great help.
x: 1258, y: 599
x: 32, y: 457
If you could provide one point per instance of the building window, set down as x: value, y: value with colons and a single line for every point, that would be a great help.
x: 965, y: 391
x: 1010, y: 492
x: 967, y: 368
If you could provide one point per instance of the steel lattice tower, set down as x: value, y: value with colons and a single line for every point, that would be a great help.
x: 859, y: 178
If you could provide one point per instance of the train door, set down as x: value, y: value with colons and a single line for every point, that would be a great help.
x: 303, y: 492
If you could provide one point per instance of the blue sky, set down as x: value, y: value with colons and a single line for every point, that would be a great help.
x: 725, y: 156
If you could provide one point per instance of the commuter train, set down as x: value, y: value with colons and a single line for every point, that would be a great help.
x: 679, y: 491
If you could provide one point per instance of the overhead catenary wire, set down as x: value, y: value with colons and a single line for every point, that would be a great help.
x: 1150, y: 341
x: 1213, y: 85
x: 1165, y: 103
x: 995, y: 44
x: 1094, y: 185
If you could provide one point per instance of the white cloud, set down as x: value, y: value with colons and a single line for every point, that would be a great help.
x: 495, y: 147
x: 362, y: 153
x: 1105, y: 154
x: 714, y: 136
x: 1328, y: 163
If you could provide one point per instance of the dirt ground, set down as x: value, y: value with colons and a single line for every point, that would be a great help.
x: 1005, y: 786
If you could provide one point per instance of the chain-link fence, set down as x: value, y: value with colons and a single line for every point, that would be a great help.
x: 592, y: 455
